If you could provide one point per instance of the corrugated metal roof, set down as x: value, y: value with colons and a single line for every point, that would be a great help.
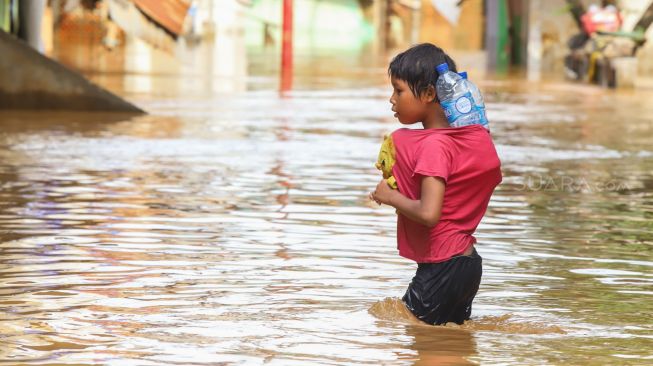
x: 169, y: 14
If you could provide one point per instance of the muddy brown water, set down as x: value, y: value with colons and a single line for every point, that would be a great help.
x: 234, y: 229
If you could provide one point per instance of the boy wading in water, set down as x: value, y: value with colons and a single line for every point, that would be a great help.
x: 445, y: 177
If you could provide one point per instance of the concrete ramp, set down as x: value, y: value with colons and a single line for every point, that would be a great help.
x: 29, y: 80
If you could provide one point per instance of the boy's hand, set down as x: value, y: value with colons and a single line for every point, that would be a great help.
x: 383, y: 193
x: 371, y: 197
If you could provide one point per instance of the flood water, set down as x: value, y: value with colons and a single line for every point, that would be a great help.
x: 235, y: 229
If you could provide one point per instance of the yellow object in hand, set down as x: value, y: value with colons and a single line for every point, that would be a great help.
x: 386, y: 160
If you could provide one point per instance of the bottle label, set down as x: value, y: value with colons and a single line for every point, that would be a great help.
x: 463, y: 105
x: 454, y: 109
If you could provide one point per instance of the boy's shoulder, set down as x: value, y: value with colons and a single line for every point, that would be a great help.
x: 419, y: 135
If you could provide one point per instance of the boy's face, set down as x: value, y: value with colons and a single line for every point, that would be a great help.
x: 408, y: 108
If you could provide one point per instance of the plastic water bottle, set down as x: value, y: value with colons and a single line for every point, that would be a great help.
x: 478, y: 99
x: 455, y: 98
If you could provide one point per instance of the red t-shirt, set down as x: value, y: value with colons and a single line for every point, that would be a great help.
x: 466, y: 159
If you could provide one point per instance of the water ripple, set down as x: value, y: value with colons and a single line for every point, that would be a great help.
x: 183, y: 237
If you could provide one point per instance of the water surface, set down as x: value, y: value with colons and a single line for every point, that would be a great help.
x: 235, y: 229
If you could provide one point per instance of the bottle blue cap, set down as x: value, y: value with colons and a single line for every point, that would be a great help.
x: 463, y: 74
x: 442, y: 68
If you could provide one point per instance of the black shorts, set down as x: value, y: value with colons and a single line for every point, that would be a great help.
x: 443, y: 292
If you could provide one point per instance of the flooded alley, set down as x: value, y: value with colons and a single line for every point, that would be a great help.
x: 235, y: 229
x: 226, y: 219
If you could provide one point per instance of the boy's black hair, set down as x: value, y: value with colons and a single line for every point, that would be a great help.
x: 416, y: 66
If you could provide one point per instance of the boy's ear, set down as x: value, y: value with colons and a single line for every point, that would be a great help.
x: 429, y: 95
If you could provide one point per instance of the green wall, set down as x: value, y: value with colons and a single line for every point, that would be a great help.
x: 319, y: 26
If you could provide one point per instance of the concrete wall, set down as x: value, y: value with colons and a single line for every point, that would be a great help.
x: 30, y: 80
x: 466, y: 35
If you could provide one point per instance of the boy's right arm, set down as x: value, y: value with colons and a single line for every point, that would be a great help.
x: 426, y: 210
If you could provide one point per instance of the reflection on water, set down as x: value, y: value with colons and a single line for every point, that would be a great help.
x: 236, y: 229
x: 441, y: 346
